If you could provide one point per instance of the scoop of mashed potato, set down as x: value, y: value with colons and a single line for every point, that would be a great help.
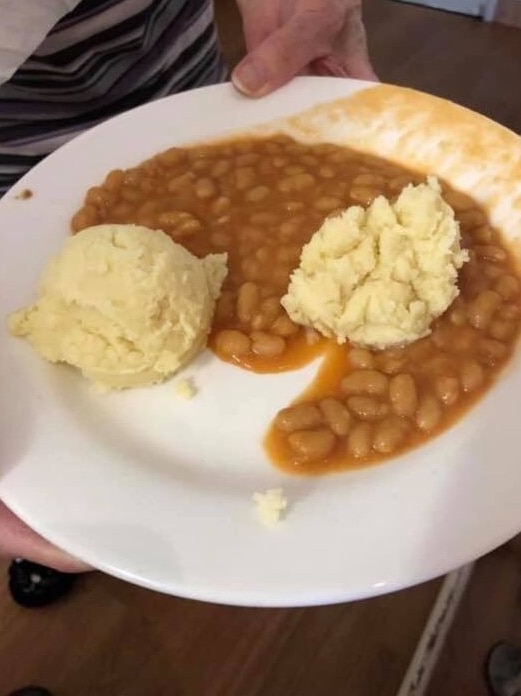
x: 124, y: 304
x: 379, y: 277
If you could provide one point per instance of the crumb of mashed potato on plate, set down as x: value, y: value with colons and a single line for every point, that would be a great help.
x: 185, y: 388
x: 270, y: 506
x: 379, y: 277
x: 124, y: 304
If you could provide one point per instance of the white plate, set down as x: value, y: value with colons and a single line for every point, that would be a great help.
x: 158, y: 491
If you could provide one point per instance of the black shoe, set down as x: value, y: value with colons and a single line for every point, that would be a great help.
x: 503, y: 670
x: 31, y: 691
x: 34, y: 585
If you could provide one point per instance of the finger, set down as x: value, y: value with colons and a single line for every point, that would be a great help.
x: 259, y: 20
x: 283, y: 54
x: 354, y: 67
x: 360, y: 69
x: 328, y: 66
x: 351, y: 48
x: 17, y: 540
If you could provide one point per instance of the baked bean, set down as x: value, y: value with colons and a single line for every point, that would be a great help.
x: 463, y: 339
x: 336, y: 415
x: 251, y: 269
x: 85, y: 217
x: 269, y: 309
x: 146, y: 185
x: 114, y: 180
x: 296, y: 182
x: 502, y: 330
x: 253, y: 235
x: 98, y: 196
x: 169, y: 218
x: 359, y: 441
x: 361, y: 359
x: 362, y: 195
x: 403, y: 395
x: 370, y: 180
x: 179, y: 182
x: 222, y: 220
x: 121, y: 212
x: 312, y: 336
x: 389, y: 434
x: 492, y: 351
x: 457, y: 200
x: 247, y: 159
x: 298, y: 417
x: 294, y: 169
x: 458, y: 315
x: 326, y: 173
x: 264, y: 218
x: 220, y: 205
x: 490, y: 252
x: 292, y: 206
x: 310, y: 161
x: 327, y: 203
x: 482, y: 309
x: 472, y: 218
x: 244, y: 178
x: 225, y: 305
x: 312, y: 445
x: 337, y: 157
x: 219, y: 168
x: 447, y: 389
x: 184, y: 224
x: 510, y: 312
x: 199, y: 166
x: 221, y: 239
x: 441, y: 336
x: 247, y: 301
x: 280, y: 162
x: 482, y: 235
x: 283, y: 326
x: 367, y: 407
x: 263, y: 254
x: 429, y: 413
x: 258, y: 193
x: 232, y: 343
x: 508, y: 287
x: 132, y: 195
x: 173, y: 156
x: 439, y: 365
x: 365, y: 382
x: 399, y: 183
x: 472, y: 376
x: 267, y: 345
x: 289, y: 228
x: 289, y: 254
x: 148, y: 207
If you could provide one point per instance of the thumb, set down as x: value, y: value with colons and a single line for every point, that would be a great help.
x: 281, y: 56
x: 17, y: 540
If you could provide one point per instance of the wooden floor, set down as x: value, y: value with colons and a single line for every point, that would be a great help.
x: 112, y: 639
x: 490, y: 612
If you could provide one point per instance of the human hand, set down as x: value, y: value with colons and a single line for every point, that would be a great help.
x: 285, y: 38
x: 17, y: 540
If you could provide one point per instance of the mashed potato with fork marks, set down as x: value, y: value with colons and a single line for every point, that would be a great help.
x: 379, y: 277
x: 124, y: 304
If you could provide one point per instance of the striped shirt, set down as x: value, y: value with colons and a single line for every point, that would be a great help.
x: 100, y: 59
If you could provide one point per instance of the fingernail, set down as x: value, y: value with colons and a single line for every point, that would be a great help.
x: 250, y: 78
